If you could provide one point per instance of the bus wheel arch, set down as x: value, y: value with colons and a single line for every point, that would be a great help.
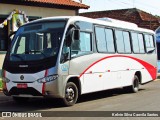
x: 72, y: 91
x: 139, y: 75
x: 77, y: 82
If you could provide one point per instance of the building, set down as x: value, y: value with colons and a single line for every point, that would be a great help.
x: 14, y: 13
x: 33, y: 9
x: 134, y: 15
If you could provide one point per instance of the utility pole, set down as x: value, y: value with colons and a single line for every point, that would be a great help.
x: 133, y: 3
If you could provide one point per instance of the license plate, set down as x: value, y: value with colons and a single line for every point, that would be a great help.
x: 22, y: 85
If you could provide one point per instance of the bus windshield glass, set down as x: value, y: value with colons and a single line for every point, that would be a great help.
x: 37, y: 41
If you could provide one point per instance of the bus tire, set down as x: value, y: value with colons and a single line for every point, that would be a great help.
x: 20, y: 100
x: 134, y: 88
x: 71, y: 94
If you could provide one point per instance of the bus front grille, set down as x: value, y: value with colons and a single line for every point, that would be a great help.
x: 26, y: 91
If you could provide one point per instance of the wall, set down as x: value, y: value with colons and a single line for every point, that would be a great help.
x: 36, y: 11
x: 141, y: 18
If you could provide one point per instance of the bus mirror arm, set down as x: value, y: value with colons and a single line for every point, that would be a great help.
x: 76, y: 34
x: 67, y: 56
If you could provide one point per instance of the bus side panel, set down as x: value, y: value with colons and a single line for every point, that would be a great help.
x: 92, y: 82
x: 112, y: 72
x: 145, y: 77
x: 101, y: 71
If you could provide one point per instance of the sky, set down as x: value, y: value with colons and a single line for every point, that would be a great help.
x: 150, y: 6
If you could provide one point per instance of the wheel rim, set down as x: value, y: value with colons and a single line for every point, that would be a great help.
x: 70, y: 94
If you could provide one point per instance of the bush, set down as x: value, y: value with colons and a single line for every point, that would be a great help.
x: 0, y: 83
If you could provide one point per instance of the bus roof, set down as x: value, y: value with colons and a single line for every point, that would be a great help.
x: 100, y: 21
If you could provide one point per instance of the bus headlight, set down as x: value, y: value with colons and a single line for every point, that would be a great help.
x: 6, y: 80
x: 47, y: 79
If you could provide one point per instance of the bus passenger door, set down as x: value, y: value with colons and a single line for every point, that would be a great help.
x: 91, y: 79
x: 64, y: 61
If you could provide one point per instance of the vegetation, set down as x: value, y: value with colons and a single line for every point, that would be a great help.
x: 157, y: 16
x: 0, y: 83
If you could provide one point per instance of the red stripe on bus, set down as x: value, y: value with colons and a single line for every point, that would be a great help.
x: 44, y: 84
x: 150, y: 68
x: 46, y: 73
x: 4, y: 84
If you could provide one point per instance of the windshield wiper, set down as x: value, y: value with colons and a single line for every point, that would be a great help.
x: 16, y: 55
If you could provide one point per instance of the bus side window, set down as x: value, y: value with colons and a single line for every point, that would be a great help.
x: 135, y: 42
x: 101, y: 39
x: 123, y: 41
x: 82, y: 46
x: 110, y: 40
x: 149, y: 43
x: 120, y: 41
x: 127, y: 44
x: 141, y: 43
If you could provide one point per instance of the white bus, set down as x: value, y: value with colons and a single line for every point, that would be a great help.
x: 64, y: 57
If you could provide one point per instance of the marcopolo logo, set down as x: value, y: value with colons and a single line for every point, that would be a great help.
x: 22, y: 77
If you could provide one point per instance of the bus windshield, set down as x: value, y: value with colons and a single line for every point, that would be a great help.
x: 37, y: 41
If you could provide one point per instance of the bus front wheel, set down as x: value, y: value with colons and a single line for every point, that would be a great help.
x: 71, y: 94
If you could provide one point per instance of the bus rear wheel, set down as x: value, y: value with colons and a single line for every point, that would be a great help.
x: 134, y: 87
x: 71, y: 94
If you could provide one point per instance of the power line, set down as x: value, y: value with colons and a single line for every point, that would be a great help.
x: 123, y: 3
x: 129, y: 4
x: 133, y: 4
x: 150, y: 6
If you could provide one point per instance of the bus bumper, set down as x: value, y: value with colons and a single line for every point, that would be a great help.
x: 34, y: 89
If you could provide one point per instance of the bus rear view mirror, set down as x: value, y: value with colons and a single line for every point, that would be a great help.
x: 71, y: 36
x: 76, y: 34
